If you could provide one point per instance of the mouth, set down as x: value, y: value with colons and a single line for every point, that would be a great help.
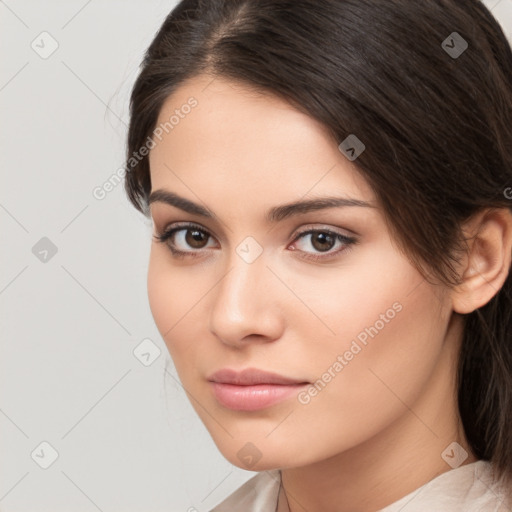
x: 252, y: 389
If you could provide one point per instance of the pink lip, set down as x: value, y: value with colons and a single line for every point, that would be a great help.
x: 251, y: 376
x: 252, y: 389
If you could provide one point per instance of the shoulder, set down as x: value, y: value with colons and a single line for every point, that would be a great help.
x: 258, y: 494
x: 470, y: 488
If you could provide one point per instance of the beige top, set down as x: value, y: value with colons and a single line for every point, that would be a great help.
x: 469, y: 488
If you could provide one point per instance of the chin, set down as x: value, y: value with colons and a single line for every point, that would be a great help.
x: 256, y: 457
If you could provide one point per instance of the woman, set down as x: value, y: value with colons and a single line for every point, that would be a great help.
x: 329, y: 183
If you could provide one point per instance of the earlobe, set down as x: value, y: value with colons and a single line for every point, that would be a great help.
x: 487, y: 263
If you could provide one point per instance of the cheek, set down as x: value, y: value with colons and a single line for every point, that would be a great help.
x: 380, y: 294
x: 160, y: 295
x: 354, y: 300
x: 388, y: 332
x: 175, y: 299
x: 384, y: 364
x: 168, y: 296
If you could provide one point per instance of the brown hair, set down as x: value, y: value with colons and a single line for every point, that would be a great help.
x: 436, y: 126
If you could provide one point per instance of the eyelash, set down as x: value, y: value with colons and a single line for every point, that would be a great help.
x: 166, y: 235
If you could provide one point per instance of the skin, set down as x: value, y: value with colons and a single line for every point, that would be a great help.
x: 377, y: 430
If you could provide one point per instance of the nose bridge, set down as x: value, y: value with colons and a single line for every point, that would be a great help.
x: 239, y: 291
x: 243, y: 298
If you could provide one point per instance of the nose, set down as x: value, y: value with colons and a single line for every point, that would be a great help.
x: 246, y: 304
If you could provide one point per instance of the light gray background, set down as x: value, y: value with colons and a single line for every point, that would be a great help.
x: 70, y: 325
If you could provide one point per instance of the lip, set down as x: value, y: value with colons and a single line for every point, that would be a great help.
x: 252, y: 389
x: 251, y: 376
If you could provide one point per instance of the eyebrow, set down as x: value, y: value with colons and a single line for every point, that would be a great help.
x: 275, y: 214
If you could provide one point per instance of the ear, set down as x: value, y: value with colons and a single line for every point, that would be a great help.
x: 486, y: 265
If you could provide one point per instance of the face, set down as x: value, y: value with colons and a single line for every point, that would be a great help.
x: 320, y: 296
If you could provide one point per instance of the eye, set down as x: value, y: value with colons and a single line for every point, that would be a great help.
x: 179, y: 237
x: 323, y: 240
x: 188, y: 240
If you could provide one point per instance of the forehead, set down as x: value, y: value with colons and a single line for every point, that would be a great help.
x: 235, y: 139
